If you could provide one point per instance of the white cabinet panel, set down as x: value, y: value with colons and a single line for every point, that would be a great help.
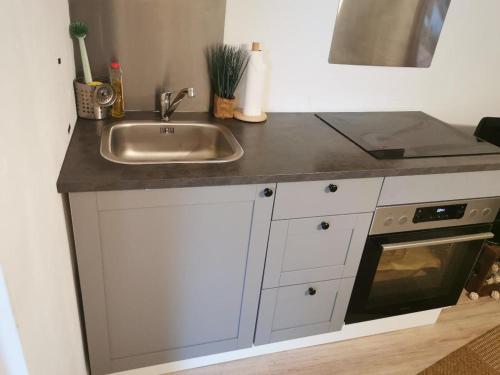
x: 315, y: 198
x: 301, y: 310
x: 296, y: 305
x: 300, y: 250
x: 439, y: 187
x: 170, y: 270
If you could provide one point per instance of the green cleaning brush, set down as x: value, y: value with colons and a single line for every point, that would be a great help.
x: 79, y: 30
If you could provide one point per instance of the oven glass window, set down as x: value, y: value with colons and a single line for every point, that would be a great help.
x: 417, y: 273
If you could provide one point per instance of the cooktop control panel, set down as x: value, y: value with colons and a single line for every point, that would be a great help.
x: 410, y: 217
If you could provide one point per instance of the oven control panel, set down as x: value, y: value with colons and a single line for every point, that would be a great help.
x: 410, y: 217
x: 441, y: 212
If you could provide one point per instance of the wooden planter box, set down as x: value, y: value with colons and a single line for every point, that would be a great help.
x: 223, y: 108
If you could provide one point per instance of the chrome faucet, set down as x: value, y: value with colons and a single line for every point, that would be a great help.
x: 168, y: 106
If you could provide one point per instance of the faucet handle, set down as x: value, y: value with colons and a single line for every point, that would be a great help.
x: 169, y: 105
x: 187, y: 91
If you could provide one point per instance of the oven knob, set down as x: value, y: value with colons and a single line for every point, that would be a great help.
x: 388, y: 221
x: 403, y: 220
x: 486, y: 211
x: 473, y: 213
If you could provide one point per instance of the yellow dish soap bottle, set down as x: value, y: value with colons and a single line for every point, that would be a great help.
x: 115, y: 76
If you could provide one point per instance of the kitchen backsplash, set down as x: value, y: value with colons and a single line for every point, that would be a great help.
x: 159, y: 43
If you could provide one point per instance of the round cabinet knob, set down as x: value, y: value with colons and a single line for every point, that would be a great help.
x: 268, y: 192
x: 486, y: 211
x: 311, y: 291
x: 332, y: 188
x: 325, y: 225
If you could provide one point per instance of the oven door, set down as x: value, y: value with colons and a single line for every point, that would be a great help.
x: 414, y: 271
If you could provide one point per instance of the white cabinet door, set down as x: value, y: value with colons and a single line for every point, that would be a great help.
x: 169, y: 274
x: 294, y: 311
x: 315, y: 249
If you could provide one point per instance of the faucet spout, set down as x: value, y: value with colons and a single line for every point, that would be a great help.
x: 169, y: 105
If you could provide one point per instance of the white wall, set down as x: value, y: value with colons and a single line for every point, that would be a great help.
x: 461, y: 87
x: 36, y: 106
x: 11, y: 353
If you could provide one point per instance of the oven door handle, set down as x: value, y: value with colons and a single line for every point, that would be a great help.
x: 438, y: 241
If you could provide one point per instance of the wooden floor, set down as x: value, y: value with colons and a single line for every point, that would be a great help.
x: 403, y: 352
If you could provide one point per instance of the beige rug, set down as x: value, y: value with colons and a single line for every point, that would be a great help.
x: 481, y: 357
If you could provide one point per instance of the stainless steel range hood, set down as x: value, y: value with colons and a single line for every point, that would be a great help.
x: 387, y: 32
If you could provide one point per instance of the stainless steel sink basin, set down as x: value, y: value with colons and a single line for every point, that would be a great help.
x: 150, y: 142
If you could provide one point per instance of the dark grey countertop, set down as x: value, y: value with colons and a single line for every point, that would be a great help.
x: 288, y: 147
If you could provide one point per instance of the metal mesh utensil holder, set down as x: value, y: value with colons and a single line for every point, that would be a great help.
x: 86, y: 102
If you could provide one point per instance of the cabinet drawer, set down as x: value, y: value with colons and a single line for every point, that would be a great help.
x: 316, y: 198
x: 314, y: 249
x: 302, y: 310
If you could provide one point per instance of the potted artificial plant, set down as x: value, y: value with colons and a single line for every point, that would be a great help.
x: 226, y: 65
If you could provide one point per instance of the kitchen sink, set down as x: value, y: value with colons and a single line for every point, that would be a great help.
x: 153, y: 142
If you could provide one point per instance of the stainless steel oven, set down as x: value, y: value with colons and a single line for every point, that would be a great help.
x: 419, y: 257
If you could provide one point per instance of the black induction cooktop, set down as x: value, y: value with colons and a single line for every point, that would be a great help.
x: 401, y: 135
